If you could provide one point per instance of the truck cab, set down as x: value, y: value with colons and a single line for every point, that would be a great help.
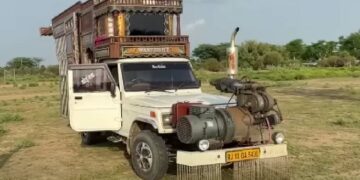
x: 129, y: 90
x: 115, y: 94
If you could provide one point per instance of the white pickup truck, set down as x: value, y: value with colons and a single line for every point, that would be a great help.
x: 156, y: 107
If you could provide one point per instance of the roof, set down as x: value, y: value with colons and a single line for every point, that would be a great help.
x: 137, y: 60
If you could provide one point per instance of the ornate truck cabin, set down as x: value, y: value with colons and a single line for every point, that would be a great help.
x: 138, y: 28
x: 98, y: 30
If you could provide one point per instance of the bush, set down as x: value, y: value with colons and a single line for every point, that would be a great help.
x: 23, y: 86
x: 212, y: 65
x: 273, y: 58
x: 33, y: 84
x: 300, y: 77
x: 339, y: 122
x: 342, y: 60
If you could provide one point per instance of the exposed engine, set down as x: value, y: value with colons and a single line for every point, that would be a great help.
x: 248, y: 122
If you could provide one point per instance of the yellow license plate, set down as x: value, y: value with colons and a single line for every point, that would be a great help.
x: 241, y: 155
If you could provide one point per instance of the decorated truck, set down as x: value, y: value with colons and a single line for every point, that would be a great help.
x: 126, y: 75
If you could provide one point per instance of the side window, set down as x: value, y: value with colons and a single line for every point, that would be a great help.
x: 91, y: 80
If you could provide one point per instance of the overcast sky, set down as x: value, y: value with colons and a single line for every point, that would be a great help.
x: 206, y: 21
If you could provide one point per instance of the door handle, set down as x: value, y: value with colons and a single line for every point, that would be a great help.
x: 78, y: 98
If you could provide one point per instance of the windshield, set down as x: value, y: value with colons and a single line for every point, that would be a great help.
x: 158, y: 76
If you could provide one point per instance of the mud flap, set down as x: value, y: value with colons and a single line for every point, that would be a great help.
x: 271, y: 164
x: 208, y: 172
x: 262, y: 169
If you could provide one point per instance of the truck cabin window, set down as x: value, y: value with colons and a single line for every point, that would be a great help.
x: 147, y: 24
x: 114, y: 72
x: 91, y: 80
x: 158, y: 76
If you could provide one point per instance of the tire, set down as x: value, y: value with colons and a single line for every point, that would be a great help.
x: 149, y: 156
x: 89, y: 138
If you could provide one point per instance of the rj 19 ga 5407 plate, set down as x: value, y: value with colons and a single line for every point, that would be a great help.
x: 241, y: 155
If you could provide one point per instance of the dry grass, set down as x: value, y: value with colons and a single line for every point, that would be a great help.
x: 322, y: 126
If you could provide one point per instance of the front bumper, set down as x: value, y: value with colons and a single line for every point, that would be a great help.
x: 219, y: 156
x: 271, y: 163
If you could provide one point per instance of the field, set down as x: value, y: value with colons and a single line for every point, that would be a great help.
x: 322, y: 128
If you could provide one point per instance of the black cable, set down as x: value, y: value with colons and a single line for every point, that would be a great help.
x: 232, y: 96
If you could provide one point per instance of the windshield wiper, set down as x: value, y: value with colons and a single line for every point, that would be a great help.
x: 158, y: 90
x: 182, y: 85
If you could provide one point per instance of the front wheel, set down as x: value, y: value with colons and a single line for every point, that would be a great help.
x: 149, y: 157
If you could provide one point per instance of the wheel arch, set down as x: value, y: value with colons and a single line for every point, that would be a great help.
x: 138, y: 125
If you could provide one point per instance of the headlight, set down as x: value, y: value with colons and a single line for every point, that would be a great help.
x: 204, y: 145
x: 166, y: 119
x: 278, y: 138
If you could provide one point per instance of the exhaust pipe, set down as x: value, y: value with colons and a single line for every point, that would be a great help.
x: 233, y: 56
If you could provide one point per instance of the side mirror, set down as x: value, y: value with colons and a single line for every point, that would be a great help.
x: 113, y: 90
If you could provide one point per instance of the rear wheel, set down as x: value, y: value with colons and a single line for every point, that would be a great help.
x: 149, y: 157
x: 89, y: 138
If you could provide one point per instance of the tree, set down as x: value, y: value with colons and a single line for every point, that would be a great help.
x: 320, y: 50
x: 252, y: 53
x: 213, y: 65
x: 295, y: 48
x: 351, y: 44
x: 206, y: 51
x: 54, y: 69
x: 342, y: 59
x: 222, y: 51
x: 273, y: 58
x: 37, y: 61
x: 22, y: 62
x: 249, y: 55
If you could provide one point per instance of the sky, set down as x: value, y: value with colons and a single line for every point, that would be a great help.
x: 205, y: 21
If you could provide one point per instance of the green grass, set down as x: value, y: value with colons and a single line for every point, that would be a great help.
x: 33, y: 84
x: 29, y: 78
x: 7, y: 117
x: 23, y: 86
x: 286, y: 74
x: 322, y: 125
x: 2, y: 130
x: 25, y: 143
x: 4, y: 103
x: 21, y: 144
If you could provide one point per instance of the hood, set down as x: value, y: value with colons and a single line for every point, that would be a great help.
x: 166, y: 101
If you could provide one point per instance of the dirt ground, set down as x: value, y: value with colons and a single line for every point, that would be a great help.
x: 322, y: 128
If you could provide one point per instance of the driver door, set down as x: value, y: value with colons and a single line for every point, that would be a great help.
x: 94, y: 99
